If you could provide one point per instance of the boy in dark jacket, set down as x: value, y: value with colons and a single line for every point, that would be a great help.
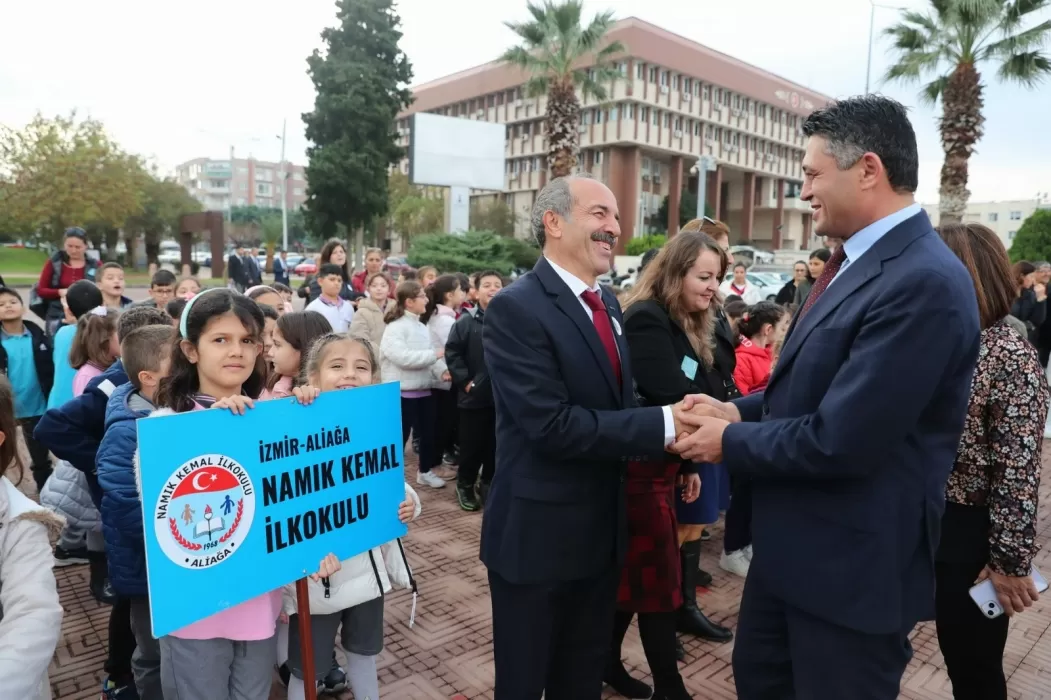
x: 145, y: 353
x: 74, y: 432
x: 466, y: 362
x: 25, y: 358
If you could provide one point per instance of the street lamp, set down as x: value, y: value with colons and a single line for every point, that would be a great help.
x: 701, y: 168
x: 284, y: 189
x: 872, y: 29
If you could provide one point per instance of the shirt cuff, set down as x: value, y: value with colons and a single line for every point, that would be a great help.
x: 669, y: 427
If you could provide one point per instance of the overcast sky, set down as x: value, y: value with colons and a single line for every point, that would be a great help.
x: 193, y: 78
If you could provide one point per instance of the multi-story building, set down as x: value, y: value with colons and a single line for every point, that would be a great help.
x: 1005, y: 218
x: 222, y: 184
x: 676, y: 100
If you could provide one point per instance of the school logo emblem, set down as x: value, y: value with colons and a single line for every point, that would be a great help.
x: 205, y: 511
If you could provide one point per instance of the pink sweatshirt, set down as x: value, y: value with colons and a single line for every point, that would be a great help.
x: 253, y: 620
x: 84, y: 375
x: 282, y: 390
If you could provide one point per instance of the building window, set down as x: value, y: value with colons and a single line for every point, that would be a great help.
x: 264, y: 189
x: 264, y: 174
x: 598, y: 157
x: 1011, y: 235
x: 677, y: 82
x: 536, y: 163
x: 718, y: 96
x: 696, y: 128
x: 656, y: 118
x: 639, y: 68
x: 613, y: 116
x: 653, y: 74
x: 687, y: 85
x: 993, y: 216
x: 217, y: 184
x: 297, y: 191
x: 737, y: 102
x: 644, y: 113
x: 631, y: 111
x: 736, y: 139
x: 664, y: 77
x: 667, y: 120
x: 706, y: 92
x: 1016, y: 216
x: 762, y: 111
x: 242, y: 186
x: 792, y: 190
x: 707, y: 131
x: 646, y: 164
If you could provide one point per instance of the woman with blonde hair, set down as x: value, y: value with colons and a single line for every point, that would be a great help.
x: 669, y: 322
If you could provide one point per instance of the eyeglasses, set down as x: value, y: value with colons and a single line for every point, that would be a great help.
x: 709, y: 220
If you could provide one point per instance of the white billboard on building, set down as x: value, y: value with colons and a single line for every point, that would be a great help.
x: 455, y: 152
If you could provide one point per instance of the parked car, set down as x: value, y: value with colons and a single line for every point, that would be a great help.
x: 751, y: 255
x: 307, y: 267
x: 768, y: 288
x: 395, y: 265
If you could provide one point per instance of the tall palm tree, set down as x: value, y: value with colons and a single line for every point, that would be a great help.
x: 948, y: 43
x: 554, y: 49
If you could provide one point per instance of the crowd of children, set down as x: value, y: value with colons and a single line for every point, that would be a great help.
x: 79, y: 394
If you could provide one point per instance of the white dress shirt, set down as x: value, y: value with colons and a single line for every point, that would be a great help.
x: 578, y: 287
x: 859, y: 244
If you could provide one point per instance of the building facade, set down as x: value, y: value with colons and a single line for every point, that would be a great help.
x: 221, y: 184
x: 675, y: 101
x: 1005, y: 218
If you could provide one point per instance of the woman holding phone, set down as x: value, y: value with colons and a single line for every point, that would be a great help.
x: 989, y: 526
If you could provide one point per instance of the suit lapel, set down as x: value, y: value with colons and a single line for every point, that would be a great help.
x: 573, y: 307
x: 616, y: 319
x: 857, y: 274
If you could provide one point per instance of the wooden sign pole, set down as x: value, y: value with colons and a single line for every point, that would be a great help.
x: 306, y: 642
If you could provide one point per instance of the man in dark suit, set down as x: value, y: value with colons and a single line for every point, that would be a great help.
x: 236, y: 271
x: 554, y: 530
x: 851, y: 444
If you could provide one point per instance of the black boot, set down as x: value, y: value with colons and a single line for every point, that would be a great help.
x: 704, y: 579
x: 466, y: 497
x: 672, y: 690
x: 690, y: 618
x: 618, y: 678
x: 98, y: 579
x: 680, y: 650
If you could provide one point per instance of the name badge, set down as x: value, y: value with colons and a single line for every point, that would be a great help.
x: 616, y: 325
x: 689, y: 367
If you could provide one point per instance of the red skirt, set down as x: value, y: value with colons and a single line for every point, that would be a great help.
x: 651, y: 579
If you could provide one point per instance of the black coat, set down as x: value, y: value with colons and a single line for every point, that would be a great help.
x: 659, y: 347
x: 1030, y: 312
x: 465, y: 359
x: 42, y: 358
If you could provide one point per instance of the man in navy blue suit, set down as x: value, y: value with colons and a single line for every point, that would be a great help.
x: 851, y: 444
x: 554, y: 530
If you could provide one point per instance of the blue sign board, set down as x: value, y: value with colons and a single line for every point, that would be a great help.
x: 236, y: 506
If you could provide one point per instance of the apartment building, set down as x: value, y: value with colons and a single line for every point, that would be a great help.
x: 1005, y: 218
x: 675, y: 101
x: 221, y: 184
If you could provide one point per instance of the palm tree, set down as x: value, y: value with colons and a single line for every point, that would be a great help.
x: 554, y: 48
x: 948, y: 43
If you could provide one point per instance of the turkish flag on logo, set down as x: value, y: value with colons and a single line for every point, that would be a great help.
x: 206, y: 480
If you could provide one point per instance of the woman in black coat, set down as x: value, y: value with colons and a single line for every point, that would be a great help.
x: 1031, y: 305
x: 669, y: 321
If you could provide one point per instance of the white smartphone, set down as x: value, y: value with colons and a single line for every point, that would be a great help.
x: 984, y: 595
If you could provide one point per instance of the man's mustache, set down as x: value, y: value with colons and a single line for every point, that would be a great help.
x: 603, y: 237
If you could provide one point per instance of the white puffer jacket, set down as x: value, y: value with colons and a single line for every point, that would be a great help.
x: 66, y: 492
x: 31, y: 614
x: 407, y: 355
x: 356, y: 582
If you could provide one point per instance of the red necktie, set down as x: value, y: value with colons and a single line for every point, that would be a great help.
x: 600, y: 317
x: 831, y: 268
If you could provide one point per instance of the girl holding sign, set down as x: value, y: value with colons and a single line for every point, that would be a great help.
x: 217, y: 362
x: 354, y: 597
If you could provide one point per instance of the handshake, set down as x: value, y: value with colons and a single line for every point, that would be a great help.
x: 699, y: 424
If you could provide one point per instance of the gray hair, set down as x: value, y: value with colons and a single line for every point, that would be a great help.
x: 555, y: 197
x: 1042, y: 265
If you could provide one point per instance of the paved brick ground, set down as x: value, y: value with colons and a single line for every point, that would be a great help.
x: 449, y: 651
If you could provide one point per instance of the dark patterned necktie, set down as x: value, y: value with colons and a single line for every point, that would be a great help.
x: 831, y: 268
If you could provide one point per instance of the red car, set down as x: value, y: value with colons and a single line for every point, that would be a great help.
x: 396, y: 265
x: 307, y: 267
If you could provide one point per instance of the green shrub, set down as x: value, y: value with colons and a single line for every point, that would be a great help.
x: 640, y: 244
x: 471, y: 252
